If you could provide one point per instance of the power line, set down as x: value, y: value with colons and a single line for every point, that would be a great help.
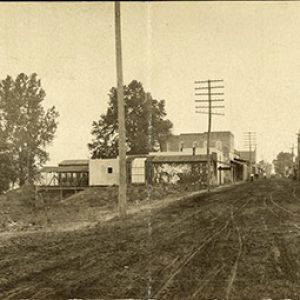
x: 215, y: 100
x: 207, y: 113
x: 208, y: 85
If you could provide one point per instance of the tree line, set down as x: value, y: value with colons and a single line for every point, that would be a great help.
x: 26, y: 127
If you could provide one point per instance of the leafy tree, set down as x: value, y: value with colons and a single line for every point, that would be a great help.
x: 26, y: 128
x: 283, y: 163
x: 141, y: 113
x: 266, y: 167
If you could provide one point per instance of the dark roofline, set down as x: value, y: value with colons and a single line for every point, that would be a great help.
x: 183, y: 158
x: 65, y: 169
x: 74, y: 162
x: 201, y: 133
x: 239, y: 159
x: 227, y: 131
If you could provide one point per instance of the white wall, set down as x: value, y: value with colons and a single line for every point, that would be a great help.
x: 98, y: 172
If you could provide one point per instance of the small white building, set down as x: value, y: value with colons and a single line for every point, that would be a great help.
x: 103, y: 172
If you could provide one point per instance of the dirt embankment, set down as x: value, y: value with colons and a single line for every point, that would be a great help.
x: 21, y: 211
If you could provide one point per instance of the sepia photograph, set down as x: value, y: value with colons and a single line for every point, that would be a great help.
x: 150, y: 150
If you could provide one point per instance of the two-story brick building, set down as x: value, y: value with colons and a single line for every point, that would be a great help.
x: 221, y: 143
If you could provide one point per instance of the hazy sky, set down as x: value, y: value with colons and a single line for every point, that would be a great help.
x: 253, y: 46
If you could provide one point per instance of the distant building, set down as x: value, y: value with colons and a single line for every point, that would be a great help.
x: 250, y: 156
x: 221, y: 143
x: 222, y: 140
x: 247, y: 155
x: 183, y: 161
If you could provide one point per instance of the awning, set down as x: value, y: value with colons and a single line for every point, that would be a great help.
x: 182, y: 158
x: 238, y: 162
x: 224, y: 168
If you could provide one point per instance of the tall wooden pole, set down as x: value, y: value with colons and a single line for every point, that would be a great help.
x: 250, y: 138
x: 210, y: 112
x: 298, y: 144
x: 250, y: 153
x: 148, y: 100
x: 208, y: 137
x: 121, y: 116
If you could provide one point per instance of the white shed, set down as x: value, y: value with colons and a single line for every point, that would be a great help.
x: 103, y: 172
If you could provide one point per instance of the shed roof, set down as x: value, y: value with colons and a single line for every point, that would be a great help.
x: 74, y: 162
x: 182, y: 158
x: 240, y: 160
x: 65, y: 169
x: 49, y: 169
x: 132, y: 157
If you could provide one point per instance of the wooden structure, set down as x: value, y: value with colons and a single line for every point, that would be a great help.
x: 69, y: 175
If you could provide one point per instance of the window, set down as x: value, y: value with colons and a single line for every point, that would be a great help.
x: 109, y: 170
x: 181, y: 146
x: 195, y: 145
x: 219, y: 145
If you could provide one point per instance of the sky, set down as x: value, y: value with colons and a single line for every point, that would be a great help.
x: 252, y: 46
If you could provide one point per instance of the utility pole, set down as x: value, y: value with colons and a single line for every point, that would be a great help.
x: 292, y: 152
x: 293, y: 164
x: 250, y: 141
x: 208, y: 86
x: 298, y: 160
x: 148, y: 100
x: 121, y: 116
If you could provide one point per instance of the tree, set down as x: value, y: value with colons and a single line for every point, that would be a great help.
x: 266, y: 167
x: 26, y: 128
x: 283, y: 163
x: 141, y: 112
x: 7, y: 174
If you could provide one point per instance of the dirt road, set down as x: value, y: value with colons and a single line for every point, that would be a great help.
x: 241, y: 243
